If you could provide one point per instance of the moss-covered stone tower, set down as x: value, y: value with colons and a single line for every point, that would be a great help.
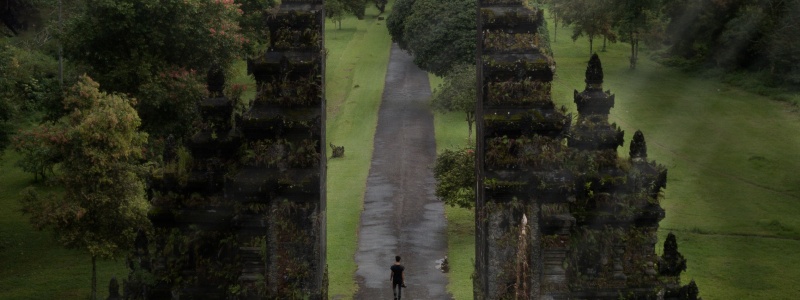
x: 239, y: 212
x: 559, y: 214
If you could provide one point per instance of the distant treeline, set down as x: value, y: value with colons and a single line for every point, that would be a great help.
x: 751, y: 35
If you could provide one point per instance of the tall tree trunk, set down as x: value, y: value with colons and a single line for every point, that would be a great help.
x: 591, y: 45
x: 94, y: 277
x: 633, y: 52
x: 60, y: 48
x: 555, y: 26
x: 470, y: 120
x: 604, y: 43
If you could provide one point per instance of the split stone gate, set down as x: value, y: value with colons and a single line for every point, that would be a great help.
x: 240, y: 211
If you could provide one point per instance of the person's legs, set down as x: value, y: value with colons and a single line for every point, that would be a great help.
x: 399, y: 291
x: 395, y: 290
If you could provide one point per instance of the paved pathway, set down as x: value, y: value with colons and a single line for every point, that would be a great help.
x: 401, y: 214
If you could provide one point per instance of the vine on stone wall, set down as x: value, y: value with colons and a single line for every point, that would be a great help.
x: 525, y: 92
x: 294, y: 241
x: 291, y: 93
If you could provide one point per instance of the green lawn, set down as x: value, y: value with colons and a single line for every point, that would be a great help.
x: 358, y: 56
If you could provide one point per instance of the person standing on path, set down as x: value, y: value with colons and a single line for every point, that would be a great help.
x: 397, y: 278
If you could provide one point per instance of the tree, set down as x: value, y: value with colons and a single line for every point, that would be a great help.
x: 27, y: 85
x: 396, y: 22
x: 356, y: 7
x: 126, y: 44
x: 15, y: 13
x: 254, y: 12
x: 592, y: 18
x: 176, y: 91
x: 455, y: 169
x: 335, y: 10
x: 635, y: 19
x: 555, y: 12
x: 38, y: 150
x: 7, y: 107
x: 5, y: 125
x: 781, y: 46
x: 103, y: 205
x: 440, y: 34
x: 737, y: 35
x: 381, y: 5
x: 458, y: 93
x: 454, y: 172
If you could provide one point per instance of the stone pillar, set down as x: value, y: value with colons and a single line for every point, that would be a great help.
x: 282, y: 184
x: 514, y: 111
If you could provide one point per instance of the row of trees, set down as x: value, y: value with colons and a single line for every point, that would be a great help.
x: 753, y: 35
x: 738, y: 34
x: 625, y: 20
x: 336, y: 10
x: 440, y: 34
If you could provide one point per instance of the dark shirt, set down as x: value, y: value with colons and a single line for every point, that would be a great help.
x: 397, y: 271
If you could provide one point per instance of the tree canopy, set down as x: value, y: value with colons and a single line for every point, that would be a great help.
x: 638, y: 19
x: 380, y: 5
x: 455, y: 177
x: 146, y: 48
x: 396, y: 22
x: 738, y: 34
x: 592, y: 18
x: 337, y: 9
x: 254, y: 12
x: 29, y: 83
x: 124, y: 42
x: 458, y: 93
x: 440, y: 34
x: 749, y: 35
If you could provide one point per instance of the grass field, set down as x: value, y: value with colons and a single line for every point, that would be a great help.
x: 733, y: 194
x: 358, y: 56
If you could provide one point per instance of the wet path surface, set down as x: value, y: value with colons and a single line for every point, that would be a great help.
x: 401, y: 214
